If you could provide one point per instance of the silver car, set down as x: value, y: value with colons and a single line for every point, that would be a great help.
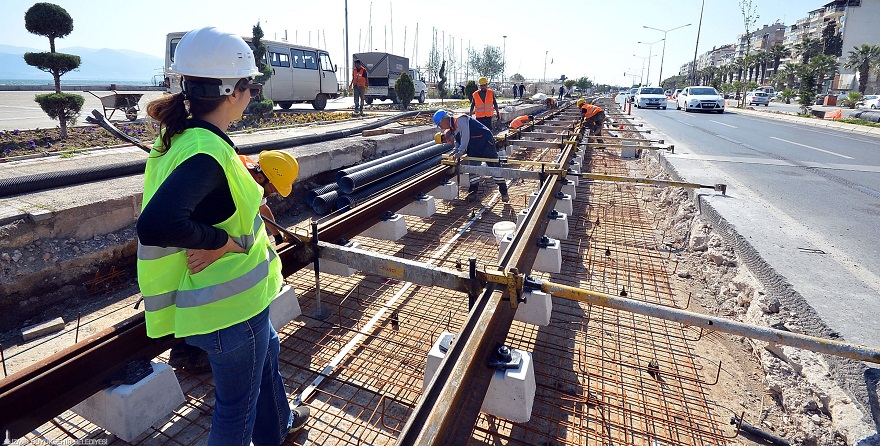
x: 758, y: 98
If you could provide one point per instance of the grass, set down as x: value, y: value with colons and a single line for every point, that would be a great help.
x: 859, y: 122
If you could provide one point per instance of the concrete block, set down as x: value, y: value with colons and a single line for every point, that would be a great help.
x: 285, y: 307
x: 564, y: 203
x: 574, y: 168
x: 521, y: 216
x: 549, y: 258
x: 573, y: 178
x: 510, y: 149
x: 532, y: 197
x: 505, y: 242
x: 628, y: 149
x: 536, y: 310
x: 435, y: 356
x: 336, y: 268
x: 422, y: 206
x: 557, y: 227
x: 43, y: 328
x: 464, y: 180
x: 446, y: 191
x: 128, y: 411
x: 511, y: 393
x: 393, y: 229
x: 568, y: 187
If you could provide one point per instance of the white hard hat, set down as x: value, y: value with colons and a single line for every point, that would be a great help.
x: 214, y: 54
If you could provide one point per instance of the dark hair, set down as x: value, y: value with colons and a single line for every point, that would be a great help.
x: 172, y: 111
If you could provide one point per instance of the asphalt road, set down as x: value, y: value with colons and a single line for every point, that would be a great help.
x: 807, y: 199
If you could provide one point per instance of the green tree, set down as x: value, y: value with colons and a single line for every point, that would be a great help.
x: 861, y: 58
x: 441, y: 86
x: 787, y: 95
x: 807, y: 48
x: 832, y: 42
x: 583, y: 83
x: 789, y: 72
x: 517, y: 78
x: 488, y: 62
x: 569, y: 83
x: 469, y: 90
x: 851, y: 99
x: 776, y: 53
x: 750, y: 17
x: 807, y: 88
x: 260, y: 106
x: 823, y: 65
x: 406, y: 90
x: 53, y: 21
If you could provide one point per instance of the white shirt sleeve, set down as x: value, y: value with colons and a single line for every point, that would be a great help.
x: 464, y: 132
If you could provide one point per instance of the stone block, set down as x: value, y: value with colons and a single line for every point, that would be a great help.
x: 628, y: 149
x: 557, y: 227
x: 511, y: 393
x: 285, y: 307
x: 127, y: 411
x: 536, y: 310
x: 564, y: 204
x: 521, y: 217
x: 43, y: 328
x: 568, y: 187
x: 505, y: 242
x: 549, y: 258
x: 446, y: 191
x: 420, y: 207
x: 393, y: 229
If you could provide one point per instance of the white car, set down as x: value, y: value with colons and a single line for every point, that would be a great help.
x: 700, y: 98
x: 871, y: 101
x: 758, y: 98
x: 650, y: 97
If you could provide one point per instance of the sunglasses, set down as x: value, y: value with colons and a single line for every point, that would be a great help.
x: 255, y: 89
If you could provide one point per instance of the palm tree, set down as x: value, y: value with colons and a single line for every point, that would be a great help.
x: 761, y: 59
x: 776, y: 53
x: 807, y: 48
x: 823, y: 65
x: 710, y: 72
x: 862, y: 59
x: 739, y: 66
x: 789, y: 71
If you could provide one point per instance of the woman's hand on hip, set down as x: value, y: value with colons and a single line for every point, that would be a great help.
x: 199, y: 259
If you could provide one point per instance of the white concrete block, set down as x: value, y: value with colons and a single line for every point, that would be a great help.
x: 128, y: 411
x: 505, y: 242
x: 564, y: 204
x: 392, y: 229
x: 574, y: 168
x: 510, y: 149
x: 549, y: 258
x: 557, y: 227
x: 532, y: 197
x: 536, y: 310
x: 521, y: 216
x: 43, y: 328
x: 628, y: 149
x: 285, y: 307
x: 446, y: 191
x: 573, y: 178
x: 420, y: 207
x: 568, y: 187
x: 435, y: 357
x: 464, y: 180
x: 511, y: 393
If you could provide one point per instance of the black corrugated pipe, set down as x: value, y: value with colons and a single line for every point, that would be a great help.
x: 48, y: 180
x: 33, y: 183
x: 353, y: 182
x: 377, y: 161
x: 345, y: 200
x: 325, y: 203
x: 310, y: 195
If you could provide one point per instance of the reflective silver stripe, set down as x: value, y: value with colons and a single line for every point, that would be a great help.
x: 247, y: 240
x: 208, y: 295
x: 147, y: 252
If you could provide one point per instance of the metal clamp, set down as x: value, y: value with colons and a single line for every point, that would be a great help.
x: 504, y: 358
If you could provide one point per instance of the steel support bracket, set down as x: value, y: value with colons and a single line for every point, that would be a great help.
x: 512, y: 281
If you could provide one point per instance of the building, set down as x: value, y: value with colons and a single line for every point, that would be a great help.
x: 762, y: 39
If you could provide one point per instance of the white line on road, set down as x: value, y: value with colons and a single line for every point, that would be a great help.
x: 731, y: 126
x: 811, y: 147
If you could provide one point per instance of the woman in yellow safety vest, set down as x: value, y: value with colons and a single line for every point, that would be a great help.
x: 206, y: 269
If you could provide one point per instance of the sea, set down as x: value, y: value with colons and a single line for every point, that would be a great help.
x: 76, y: 82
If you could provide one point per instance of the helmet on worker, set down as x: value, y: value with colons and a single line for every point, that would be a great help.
x: 439, y: 115
x: 483, y: 81
x: 581, y: 101
x: 280, y: 168
x: 213, y: 63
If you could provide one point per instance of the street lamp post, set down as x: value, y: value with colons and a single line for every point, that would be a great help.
x: 504, y: 59
x: 545, y: 66
x: 651, y: 55
x: 699, y: 28
x: 642, y: 80
x: 663, y: 56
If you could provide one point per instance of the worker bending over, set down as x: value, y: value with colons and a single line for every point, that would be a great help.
x: 275, y: 171
x: 482, y: 104
x: 550, y: 103
x: 474, y: 139
x: 593, y: 116
x: 521, y: 121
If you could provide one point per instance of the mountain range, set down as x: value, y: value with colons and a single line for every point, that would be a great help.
x: 97, y: 65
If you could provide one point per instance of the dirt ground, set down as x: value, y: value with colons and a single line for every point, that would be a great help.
x: 754, y: 382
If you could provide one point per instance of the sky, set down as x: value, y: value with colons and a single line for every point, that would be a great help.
x: 545, y: 39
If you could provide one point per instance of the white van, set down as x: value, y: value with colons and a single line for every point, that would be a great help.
x: 299, y: 73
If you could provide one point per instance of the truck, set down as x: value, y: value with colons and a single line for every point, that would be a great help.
x: 300, y: 74
x: 383, y: 70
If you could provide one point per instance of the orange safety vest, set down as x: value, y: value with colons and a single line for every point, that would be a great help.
x: 359, y: 77
x: 592, y: 110
x: 484, y: 109
x: 519, y: 122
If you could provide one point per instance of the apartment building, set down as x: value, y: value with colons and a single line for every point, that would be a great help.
x: 762, y: 39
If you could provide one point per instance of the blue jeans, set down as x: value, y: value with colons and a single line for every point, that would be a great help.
x: 250, y: 400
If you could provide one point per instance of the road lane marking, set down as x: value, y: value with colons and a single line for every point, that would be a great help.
x: 811, y: 147
x: 731, y: 126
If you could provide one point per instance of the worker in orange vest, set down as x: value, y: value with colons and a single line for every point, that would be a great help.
x: 360, y: 83
x: 482, y: 103
x: 550, y: 103
x: 521, y: 121
x: 593, y: 115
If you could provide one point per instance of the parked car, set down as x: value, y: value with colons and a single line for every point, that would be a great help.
x: 870, y: 101
x: 668, y: 93
x: 650, y: 97
x: 758, y: 98
x: 631, y: 94
x: 700, y: 98
x: 676, y: 93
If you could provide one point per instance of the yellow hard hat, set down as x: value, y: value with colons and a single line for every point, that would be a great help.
x: 581, y: 101
x: 483, y: 81
x: 280, y: 168
x: 438, y: 138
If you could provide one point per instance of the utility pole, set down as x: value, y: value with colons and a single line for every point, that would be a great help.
x: 347, y: 54
x: 545, y: 66
x: 504, y: 59
x: 699, y: 28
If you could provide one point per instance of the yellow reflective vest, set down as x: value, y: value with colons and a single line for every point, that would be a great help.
x: 234, y: 288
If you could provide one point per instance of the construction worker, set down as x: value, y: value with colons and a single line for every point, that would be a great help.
x: 359, y: 83
x: 521, y: 121
x: 593, y: 116
x: 482, y: 103
x: 550, y: 103
x: 472, y: 138
x: 275, y: 171
x: 206, y: 269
